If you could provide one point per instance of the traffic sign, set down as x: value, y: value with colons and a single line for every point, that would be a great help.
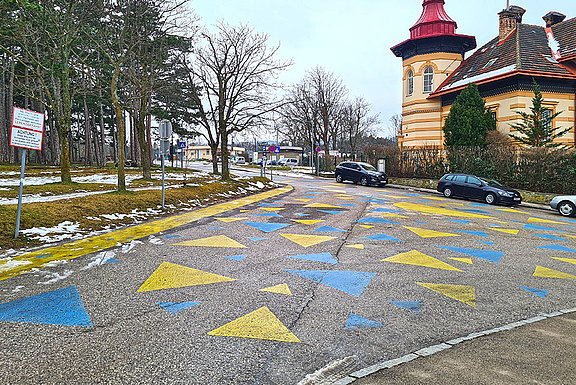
x: 318, y: 149
x: 181, y: 145
x: 165, y: 129
x: 277, y: 150
x: 272, y: 149
x: 27, y: 129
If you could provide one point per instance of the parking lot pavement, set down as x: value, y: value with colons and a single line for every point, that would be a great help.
x: 272, y: 291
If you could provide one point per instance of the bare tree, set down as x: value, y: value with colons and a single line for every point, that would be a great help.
x: 357, y: 123
x: 235, y: 73
x: 395, y: 123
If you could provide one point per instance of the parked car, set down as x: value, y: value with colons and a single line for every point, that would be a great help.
x: 360, y: 172
x: 241, y: 160
x: 290, y: 162
x: 565, y: 204
x: 474, y: 187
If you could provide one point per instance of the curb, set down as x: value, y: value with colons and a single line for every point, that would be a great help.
x: 430, y: 350
x: 434, y: 192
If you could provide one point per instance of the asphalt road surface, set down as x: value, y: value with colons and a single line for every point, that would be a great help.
x: 268, y: 292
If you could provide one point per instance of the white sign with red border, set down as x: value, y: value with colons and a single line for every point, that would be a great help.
x: 27, y: 129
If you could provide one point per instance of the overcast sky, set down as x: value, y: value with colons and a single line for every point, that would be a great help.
x: 352, y: 38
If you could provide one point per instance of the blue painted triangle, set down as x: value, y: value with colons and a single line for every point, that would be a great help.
x: 169, y: 236
x: 351, y: 282
x: 176, y: 307
x: 238, y: 258
x: 357, y: 322
x: 318, y: 257
x: 557, y: 247
x: 547, y: 236
x: 479, y: 233
x: 493, y: 225
x: 268, y: 205
x: 328, y: 228
x: 267, y: 227
x: 314, y: 192
x: 57, y: 307
x: 423, y: 223
x: 412, y: 195
x: 458, y: 221
x: 302, y: 215
x: 414, y: 306
x: 44, y: 256
x: 383, y: 237
x: 271, y: 215
x: 536, y: 227
x: 375, y: 220
x: 112, y: 260
x: 487, y: 243
x: 382, y: 210
x: 256, y: 239
x: 488, y: 255
x: 539, y: 292
x: 479, y: 204
x: 349, y: 205
x: 333, y: 212
x: 474, y: 211
x: 216, y: 228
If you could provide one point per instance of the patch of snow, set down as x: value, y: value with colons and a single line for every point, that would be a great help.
x: 11, y: 264
x: 127, y: 247
x: 56, y: 263
x: 155, y: 241
x: 17, y: 289
x: 100, y: 259
x: 55, y: 277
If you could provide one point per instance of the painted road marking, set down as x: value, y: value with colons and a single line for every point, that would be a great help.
x: 488, y: 255
x: 440, y: 211
x: 267, y: 227
x: 170, y: 276
x: 90, y: 245
x: 557, y: 247
x: 358, y: 322
x: 278, y: 289
x: 57, y: 307
x: 351, y: 282
x: 413, y: 306
x: 507, y: 231
x: 216, y: 241
x: 228, y: 220
x: 465, y: 260
x: 539, y: 220
x: 417, y: 258
x: 329, y: 229
x: 549, y: 273
x: 308, y: 221
x: 569, y: 260
x: 176, y: 307
x: 358, y: 246
x: 260, y: 324
x: 383, y: 237
x: 464, y: 294
x: 425, y: 233
x: 305, y: 240
x: 238, y: 258
x: 539, y: 292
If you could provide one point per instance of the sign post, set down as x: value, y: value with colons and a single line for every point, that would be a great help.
x: 27, y: 133
x: 318, y: 149
x: 271, y: 150
x: 165, y: 128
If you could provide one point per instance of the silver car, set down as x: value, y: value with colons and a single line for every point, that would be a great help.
x: 565, y: 204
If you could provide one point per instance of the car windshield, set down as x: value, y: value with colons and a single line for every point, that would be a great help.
x: 493, y: 183
x: 368, y: 167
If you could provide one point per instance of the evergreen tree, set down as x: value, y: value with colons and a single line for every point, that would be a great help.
x: 469, y: 120
x: 536, y: 128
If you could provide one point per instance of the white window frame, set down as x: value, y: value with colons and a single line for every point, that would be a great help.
x: 428, y: 79
x: 410, y: 82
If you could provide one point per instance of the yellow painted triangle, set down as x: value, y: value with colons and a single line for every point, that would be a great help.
x: 424, y: 209
x: 278, y: 289
x: 169, y: 276
x: 420, y: 259
x: 569, y: 260
x: 344, y: 198
x: 322, y: 205
x: 425, y: 233
x: 436, y: 198
x: 512, y: 211
x: 465, y: 294
x: 272, y: 208
x: 307, y: 240
x: 244, y: 211
x: 394, y: 196
x: 571, y: 236
x: 358, y: 246
x: 228, y: 220
x: 507, y: 231
x: 549, y: 273
x: 465, y: 260
x: 260, y: 324
x: 217, y: 241
x: 303, y: 200
x: 308, y: 221
x: 366, y: 226
x: 538, y: 220
x: 500, y: 221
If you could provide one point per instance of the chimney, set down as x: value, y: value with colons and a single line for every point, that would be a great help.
x: 509, y: 20
x: 552, y: 18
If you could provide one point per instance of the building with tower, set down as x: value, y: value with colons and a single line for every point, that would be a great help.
x: 435, y: 70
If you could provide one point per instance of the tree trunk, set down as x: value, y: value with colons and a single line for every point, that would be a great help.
x: 64, y: 120
x: 140, y: 128
x: 214, y: 150
x: 224, y: 156
x: 87, y: 135
x: 121, y: 130
x: 10, y: 106
x: 102, y: 132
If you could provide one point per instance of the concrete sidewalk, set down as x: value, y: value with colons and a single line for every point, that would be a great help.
x: 542, y: 352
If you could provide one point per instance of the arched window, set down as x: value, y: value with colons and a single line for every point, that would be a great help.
x: 410, y: 82
x: 428, y: 80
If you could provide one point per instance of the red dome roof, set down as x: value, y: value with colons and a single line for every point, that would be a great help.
x: 434, y: 21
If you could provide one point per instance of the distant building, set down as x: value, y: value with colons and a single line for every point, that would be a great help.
x: 204, y: 152
x: 435, y: 71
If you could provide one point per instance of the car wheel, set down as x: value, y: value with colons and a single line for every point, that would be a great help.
x: 364, y: 181
x: 490, y: 198
x: 339, y: 178
x: 567, y: 209
x: 447, y: 192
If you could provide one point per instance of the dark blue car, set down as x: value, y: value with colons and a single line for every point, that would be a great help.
x: 473, y: 187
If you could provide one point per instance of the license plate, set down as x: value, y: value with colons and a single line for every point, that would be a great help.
x: 516, y: 199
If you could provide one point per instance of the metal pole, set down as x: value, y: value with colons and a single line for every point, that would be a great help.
x: 20, y: 194
x: 163, y: 151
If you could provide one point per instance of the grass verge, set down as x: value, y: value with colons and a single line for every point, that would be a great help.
x: 112, y: 210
